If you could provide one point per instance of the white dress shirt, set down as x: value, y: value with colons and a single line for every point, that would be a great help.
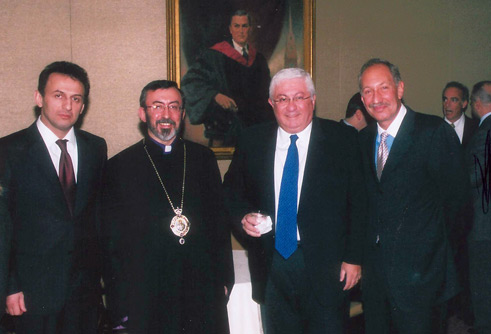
x: 54, y: 150
x: 282, y: 143
x: 458, y: 126
x: 240, y: 48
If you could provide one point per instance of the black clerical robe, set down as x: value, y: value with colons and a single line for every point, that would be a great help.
x: 164, y: 286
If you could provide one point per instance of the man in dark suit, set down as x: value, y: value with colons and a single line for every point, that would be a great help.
x: 165, y: 227
x: 51, y: 174
x: 356, y: 115
x: 478, y: 163
x: 414, y: 174
x: 306, y: 174
x: 455, y: 98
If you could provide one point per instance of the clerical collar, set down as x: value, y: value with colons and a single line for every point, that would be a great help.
x: 166, y: 149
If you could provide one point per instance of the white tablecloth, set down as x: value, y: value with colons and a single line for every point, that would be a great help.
x: 243, y: 312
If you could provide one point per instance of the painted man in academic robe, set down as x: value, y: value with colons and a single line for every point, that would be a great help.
x: 227, y: 87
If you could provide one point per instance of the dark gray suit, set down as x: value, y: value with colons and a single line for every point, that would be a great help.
x: 55, y: 257
x: 479, y: 168
x: 408, y: 261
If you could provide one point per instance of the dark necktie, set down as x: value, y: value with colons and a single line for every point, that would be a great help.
x: 286, y: 226
x: 244, y: 53
x: 66, y: 174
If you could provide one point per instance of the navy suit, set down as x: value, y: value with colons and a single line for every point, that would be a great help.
x: 331, y: 211
x: 408, y: 262
x: 54, y: 257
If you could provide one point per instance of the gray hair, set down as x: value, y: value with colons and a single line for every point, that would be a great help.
x: 291, y: 73
x: 394, y: 70
x: 479, y: 92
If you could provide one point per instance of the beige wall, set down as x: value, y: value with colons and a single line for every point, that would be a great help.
x: 122, y: 46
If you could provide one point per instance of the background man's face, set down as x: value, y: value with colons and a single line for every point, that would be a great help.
x: 292, y: 116
x: 164, y: 125
x: 62, y: 103
x: 380, y: 94
x: 239, y: 29
x: 453, y: 104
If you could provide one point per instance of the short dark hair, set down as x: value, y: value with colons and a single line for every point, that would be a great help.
x: 461, y: 87
x: 240, y: 12
x: 394, y: 70
x: 478, y: 92
x: 354, y: 104
x: 70, y: 69
x: 159, y: 84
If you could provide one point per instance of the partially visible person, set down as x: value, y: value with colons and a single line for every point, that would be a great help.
x: 479, y: 168
x: 166, y: 237
x: 51, y: 177
x: 455, y: 98
x: 415, y: 179
x: 227, y: 86
x: 305, y: 174
x: 356, y: 114
x: 5, y: 236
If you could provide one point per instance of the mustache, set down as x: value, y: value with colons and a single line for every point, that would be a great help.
x: 166, y: 120
x: 374, y: 105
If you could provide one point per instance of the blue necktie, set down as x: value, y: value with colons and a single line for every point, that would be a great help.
x: 286, y: 226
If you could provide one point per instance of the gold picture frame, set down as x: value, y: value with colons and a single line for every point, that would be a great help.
x: 175, y: 57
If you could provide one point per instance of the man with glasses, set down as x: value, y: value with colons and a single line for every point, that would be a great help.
x: 165, y: 232
x: 305, y: 174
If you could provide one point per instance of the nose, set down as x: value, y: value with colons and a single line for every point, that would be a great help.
x: 68, y: 104
x: 376, y: 96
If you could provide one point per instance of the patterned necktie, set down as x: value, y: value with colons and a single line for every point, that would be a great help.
x: 382, y: 154
x: 286, y: 226
x: 66, y: 174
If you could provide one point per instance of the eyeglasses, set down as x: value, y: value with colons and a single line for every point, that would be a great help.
x: 161, y: 107
x: 284, y: 101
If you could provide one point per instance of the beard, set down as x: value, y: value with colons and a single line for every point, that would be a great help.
x: 164, y: 134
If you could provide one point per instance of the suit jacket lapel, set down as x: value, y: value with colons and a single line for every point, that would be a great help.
x: 40, y: 158
x: 269, y: 154
x: 401, y: 144
x: 84, y: 161
x: 369, y: 148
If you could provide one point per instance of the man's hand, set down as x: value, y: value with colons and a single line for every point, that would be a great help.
x: 249, y: 223
x: 225, y: 102
x: 352, y: 274
x: 15, y: 304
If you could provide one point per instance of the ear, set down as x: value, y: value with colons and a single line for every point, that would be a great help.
x: 183, y: 114
x: 271, y: 103
x: 400, y: 90
x: 38, y: 98
x: 358, y: 114
x: 142, y: 114
x: 464, y: 105
x: 313, y: 101
x: 83, y: 108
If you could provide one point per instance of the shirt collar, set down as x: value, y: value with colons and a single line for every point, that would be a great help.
x: 396, y: 123
x: 484, y: 117
x: 50, y: 138
x: 457, y: 122
x: 283, y: 137
x: 238, y: 47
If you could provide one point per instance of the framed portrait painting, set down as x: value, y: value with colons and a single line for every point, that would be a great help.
x: 223, y: 54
